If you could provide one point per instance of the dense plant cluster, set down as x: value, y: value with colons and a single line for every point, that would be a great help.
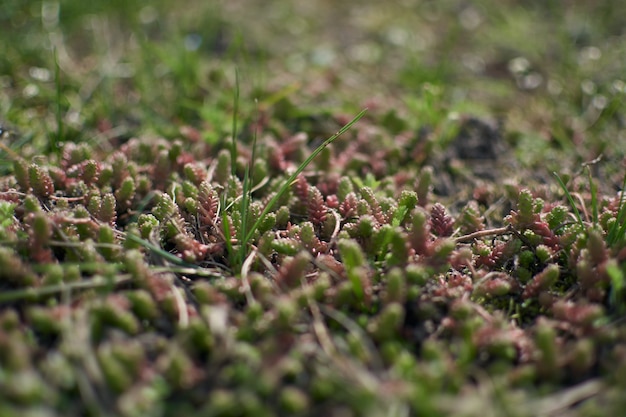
x: 193, y: 223
x: 128, y: 292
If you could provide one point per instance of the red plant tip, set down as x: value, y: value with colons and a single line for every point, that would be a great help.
x: 316, y: 208
x: 348, y: 208
x: 332, y: 201
x: 301, y: 188
x: 441, y: 223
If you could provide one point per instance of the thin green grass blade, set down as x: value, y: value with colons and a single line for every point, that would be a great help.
x: 246, y: 201
x: 594, y: 196
x: 618, y: 284
x: 92, y: 267
x: 616, y: 233
x: 158, y: 251
x: 141, y: 206
x: 227, y: 236
x: 48, y: 290
x: 621, y: 232
x: 173, y: 259
x: 244, y: 207
x: 233, y: 149
x: 297, y: 172
x: 233, y: 171
x: 570, y: 199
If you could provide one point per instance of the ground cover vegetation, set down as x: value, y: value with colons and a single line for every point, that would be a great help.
x: 312, y: 208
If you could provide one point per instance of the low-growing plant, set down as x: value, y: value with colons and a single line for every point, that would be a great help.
x: 156, y: 261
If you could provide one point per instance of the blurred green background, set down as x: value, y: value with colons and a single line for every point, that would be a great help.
x: 552, y: 72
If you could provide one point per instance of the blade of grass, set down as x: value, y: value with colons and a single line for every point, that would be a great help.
x: 301, y: 168
x: 618, y: 228
x: 158, y: 251
x: 593, y: 188
x: 233, y: 149
x: 569, y: 198
x: 616, y: 276
x: 30, y: 293
x: 246, y: 200
x: 141, y: 206
x: 233, y: 171
x: 12, y: 154
x: 594, y: 196
x: 227, y: 236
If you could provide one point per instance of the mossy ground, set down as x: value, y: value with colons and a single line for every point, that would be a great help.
x: 427, y: 262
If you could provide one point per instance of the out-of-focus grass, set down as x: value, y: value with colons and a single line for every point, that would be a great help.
x: 552, y: 71
x: 129, y: 66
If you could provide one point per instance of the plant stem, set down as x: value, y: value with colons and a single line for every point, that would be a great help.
x: 482, y: 233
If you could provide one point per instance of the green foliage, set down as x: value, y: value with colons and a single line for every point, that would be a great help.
x: 158, y: 257
x: 286, y: 246
x: 548, y: 354
x: 354, y: 262
x: 557, y: 217
x: 40, y: 181
x: 108, y: 208
x: 125, y: 194
x: 424, y: 185
x: 147, y: 224
x: 165, y: 207
x: 7, y: 211
x: 525, y: 208
x: 41, y: 229
x: 396, y: 286
x: 617, y: 232
x: 303, y: 165
x: 384, y: 326
x: 223, y: 167
x: 407, y: 202
x: 20, y: 169
x: 106, y: 238
x: 344, y: 188
x: 392, y: 245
